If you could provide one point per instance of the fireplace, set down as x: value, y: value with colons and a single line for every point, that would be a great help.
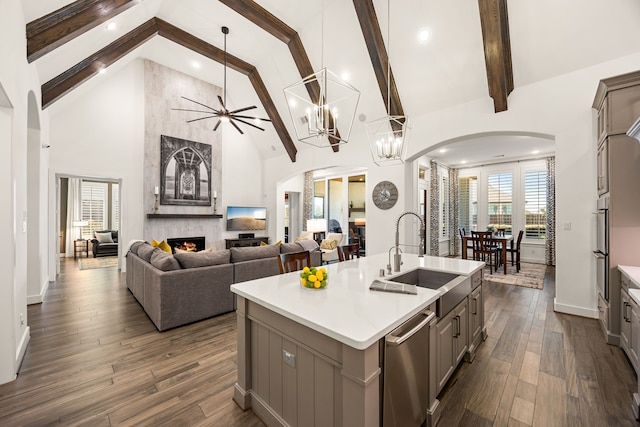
x: 191, y: 244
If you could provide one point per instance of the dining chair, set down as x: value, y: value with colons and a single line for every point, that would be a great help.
x: 469, y: 242
x: 483, y: 249
x: 294, y: 261
x: 348, y: 252
x: 516, y: 250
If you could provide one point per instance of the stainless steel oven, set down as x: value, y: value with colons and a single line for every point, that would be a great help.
x: 601, y: 252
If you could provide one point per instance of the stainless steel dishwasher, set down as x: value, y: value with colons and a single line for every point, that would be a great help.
x: 406, y: 373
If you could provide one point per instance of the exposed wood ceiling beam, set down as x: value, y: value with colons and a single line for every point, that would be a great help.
x: 378, y: 53
x: 261, y: 17
x: 60, y: 85
x: 55, y: 29
x: 497, y: 50
x: 79, y: 73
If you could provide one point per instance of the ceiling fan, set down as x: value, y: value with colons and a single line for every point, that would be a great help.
x: 223, y: 114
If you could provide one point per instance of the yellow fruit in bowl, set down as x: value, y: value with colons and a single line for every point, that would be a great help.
x: 313, y: 278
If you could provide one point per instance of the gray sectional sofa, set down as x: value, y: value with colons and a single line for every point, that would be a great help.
x: 175, y: 290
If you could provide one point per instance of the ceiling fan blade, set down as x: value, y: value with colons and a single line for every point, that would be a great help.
x: 217, y: 124
x: 195, y: 111
x: 247, y: 123
x: 236, y: 126
x: 199, y: 103
x: 251, y: 117
x: 242, y: 109
x: 201, y: 118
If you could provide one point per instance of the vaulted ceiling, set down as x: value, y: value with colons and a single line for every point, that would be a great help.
x: 477, y: 48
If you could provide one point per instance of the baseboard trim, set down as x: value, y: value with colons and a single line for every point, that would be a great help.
x: 577, y: 311
x: 37, y: 299
x: 22, y: 347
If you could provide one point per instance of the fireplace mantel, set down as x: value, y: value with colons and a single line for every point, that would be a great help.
x: 186, y: 216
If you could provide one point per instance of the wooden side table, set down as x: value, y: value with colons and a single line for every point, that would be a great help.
x: 80, y: 246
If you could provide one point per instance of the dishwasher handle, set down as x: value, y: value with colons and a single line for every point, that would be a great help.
x: 395, y: 340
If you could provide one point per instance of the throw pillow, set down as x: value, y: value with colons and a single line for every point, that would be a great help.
x: 264, y: 244
x: 104, y: 237
x: 161, y: 245
x: 328, y: 244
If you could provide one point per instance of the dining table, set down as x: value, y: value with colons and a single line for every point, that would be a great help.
x: 503, y: 240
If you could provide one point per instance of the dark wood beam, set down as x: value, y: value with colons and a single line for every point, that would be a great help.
x: 57, y: 87
x: 195, y: 44
x: 378, y: 54
x: 261, y: 17
x: 55, y: 29
x: 497, y: 50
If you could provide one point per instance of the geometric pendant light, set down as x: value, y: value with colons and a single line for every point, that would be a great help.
x: 388, y: 135
x: 322, y: 106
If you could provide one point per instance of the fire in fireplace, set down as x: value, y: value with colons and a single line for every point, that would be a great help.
x: 190, y: 244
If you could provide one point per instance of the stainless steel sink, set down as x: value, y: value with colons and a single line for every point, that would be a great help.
x: 454, y: 288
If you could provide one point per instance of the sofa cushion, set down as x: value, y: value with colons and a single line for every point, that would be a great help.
x: 254, y: 252
x: 134, y: 246
x: 287, y: 248
x: 104, y: 237
x: 203, y: 259
x: 164, y: 261
x: 145, y: 250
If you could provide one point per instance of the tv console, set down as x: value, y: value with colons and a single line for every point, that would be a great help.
x: 245, y: 242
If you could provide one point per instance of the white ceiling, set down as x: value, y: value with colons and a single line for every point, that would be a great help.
x: 548, y: 38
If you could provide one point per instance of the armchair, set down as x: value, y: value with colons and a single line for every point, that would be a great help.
x: 104, y: 243
x: 329, y: 247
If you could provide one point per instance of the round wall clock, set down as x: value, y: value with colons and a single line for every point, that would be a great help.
x: 385, y: 195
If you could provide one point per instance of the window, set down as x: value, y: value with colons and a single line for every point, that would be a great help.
x: 535, y: 204
x: 500, y: 200
x: 444, y: 204
x: 100, y: 207
x: 468, y: 203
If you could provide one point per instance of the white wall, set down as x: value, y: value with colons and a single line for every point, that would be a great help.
x: 101, y: 135
x: 17, y: 79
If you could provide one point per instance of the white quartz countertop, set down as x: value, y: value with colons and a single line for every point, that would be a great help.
x: 347, y: 310
x: 632, y: 272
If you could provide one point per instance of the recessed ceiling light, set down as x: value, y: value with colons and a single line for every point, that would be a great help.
x: 442, y: 150
x: 111, y: 26
x: 196, y: 65
x: 463, y: 162
x: 102, y: 70
x: 257, y: 121
x: 423, y: 35
x: 535, y: 151
x: 345, y: 76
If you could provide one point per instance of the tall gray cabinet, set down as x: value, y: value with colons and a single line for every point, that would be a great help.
x: 617, y: 103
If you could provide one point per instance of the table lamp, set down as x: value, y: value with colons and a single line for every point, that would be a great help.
x: 79, y: 224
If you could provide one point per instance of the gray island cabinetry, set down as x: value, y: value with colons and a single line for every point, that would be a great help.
x: 317, y: 357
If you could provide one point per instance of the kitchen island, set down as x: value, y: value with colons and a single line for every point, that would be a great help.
x: 314, y: 357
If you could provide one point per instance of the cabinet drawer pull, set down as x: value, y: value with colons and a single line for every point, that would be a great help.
x: 475, y: 306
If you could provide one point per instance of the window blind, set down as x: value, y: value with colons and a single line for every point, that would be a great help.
x: 500, y: 200
x: 535, y: 204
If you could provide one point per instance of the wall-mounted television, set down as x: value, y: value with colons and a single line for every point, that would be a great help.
x: 240, y: 218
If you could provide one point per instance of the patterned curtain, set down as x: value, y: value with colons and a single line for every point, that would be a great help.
x: 550, y: 249
x: 307, y: 198
x: 434, y: 230
x: 454, y: 243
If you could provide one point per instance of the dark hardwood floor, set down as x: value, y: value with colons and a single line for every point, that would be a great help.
x: 95, y: 359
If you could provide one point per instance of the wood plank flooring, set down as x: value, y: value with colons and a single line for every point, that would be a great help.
x: 95, y: 359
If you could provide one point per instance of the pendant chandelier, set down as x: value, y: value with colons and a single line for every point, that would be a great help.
x: 223, y: 114
x: 322, y: 106
x: 388, y: 136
